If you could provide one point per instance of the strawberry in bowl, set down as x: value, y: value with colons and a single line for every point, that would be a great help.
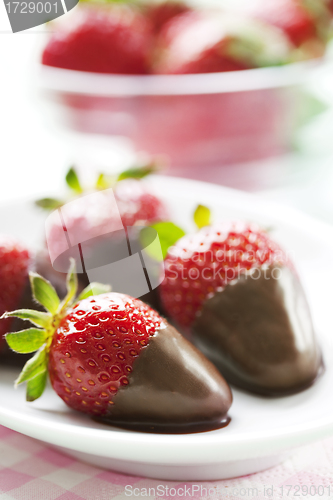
x: 159, y: 14
x: 213, y: 41
x: 219, y: 87
x: 238, y: 296
x: 102, y: 40
x: 114, y: 358
x: 306, y: 24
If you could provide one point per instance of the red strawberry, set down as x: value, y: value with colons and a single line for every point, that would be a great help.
x: 113, y: 357
x: 90, y: 217
x: 330, y: 6
x: 137, y: 204
x: 101, y: 40
x: 234, y: 288
x: 291, y: 16
x: 14, y: 264
x: 226, y: 250
x: 205, y: 42
x: 159, y: 14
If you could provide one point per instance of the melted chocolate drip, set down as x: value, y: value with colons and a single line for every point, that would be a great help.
x: 173, y: 389
x: 258, y: 331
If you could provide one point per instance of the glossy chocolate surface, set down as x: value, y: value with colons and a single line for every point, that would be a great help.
x: 258, y: 331
x: 173, y: 389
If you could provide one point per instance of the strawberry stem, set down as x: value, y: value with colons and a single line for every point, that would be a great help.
x: 40, y: 339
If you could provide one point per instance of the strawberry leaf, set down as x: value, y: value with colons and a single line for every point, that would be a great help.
x: 138, y: 172
x: 104, y: 181
x: 202, y: 216
x: 73, y: 182
x: 71, y: 282
x: 26, y: 341
x: 49, y: 203
x: 35, y: 366
x: 36, y: 386
x: 44, y: 293
x: 38, y: 318
x: 168, y: 234
x: 94, y: 289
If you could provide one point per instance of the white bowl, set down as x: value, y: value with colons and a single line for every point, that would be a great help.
x: 199, y: 121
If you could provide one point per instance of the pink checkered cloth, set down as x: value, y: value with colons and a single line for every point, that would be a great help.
x: 30, y: 470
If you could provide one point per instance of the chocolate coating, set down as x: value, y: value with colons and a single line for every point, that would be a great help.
x: 173, y: 389
x: 258, y: 331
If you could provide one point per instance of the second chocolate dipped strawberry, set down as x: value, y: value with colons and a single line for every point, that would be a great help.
x: 237, y: 294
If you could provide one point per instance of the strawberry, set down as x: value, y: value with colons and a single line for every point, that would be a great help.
x: 101, y: 40
x: 88, y: 217
x: 300, y: 20
x: 159, y: 14
x: 227, y: 250
x: 205, y: 42
x: 113, y: 357
x: 14, y: 264
x: 236, y: 293
x: 135, y: 203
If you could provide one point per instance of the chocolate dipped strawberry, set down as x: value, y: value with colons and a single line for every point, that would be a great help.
x: 235, y: 291
x: 97, y: 217
x: 114, y: 358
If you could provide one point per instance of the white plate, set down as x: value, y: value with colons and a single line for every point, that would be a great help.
x: 261, y: 430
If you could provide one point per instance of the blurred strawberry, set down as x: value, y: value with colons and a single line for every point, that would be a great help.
x: 91, y: 217
x: 159, y: 14
x: 291, y: 16
x: 135, y: 203
x: 14, y: 263
x: 205, y: 42
x: 101, y: 40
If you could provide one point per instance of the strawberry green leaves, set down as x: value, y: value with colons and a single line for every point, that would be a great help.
x: 26, y: 341
x: 104, y: 181
x: 168, y: 234
x: 49, y: 203
x: 94, y: 289
x: 36, y: 386
x: 40, y: 339
x: 71, y: 282
x: 36, y: 366
x: 202, y: 216
x: 73, y: 181
x: 44, y: 293
x: 38, y: 318
x: 138, y: 172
